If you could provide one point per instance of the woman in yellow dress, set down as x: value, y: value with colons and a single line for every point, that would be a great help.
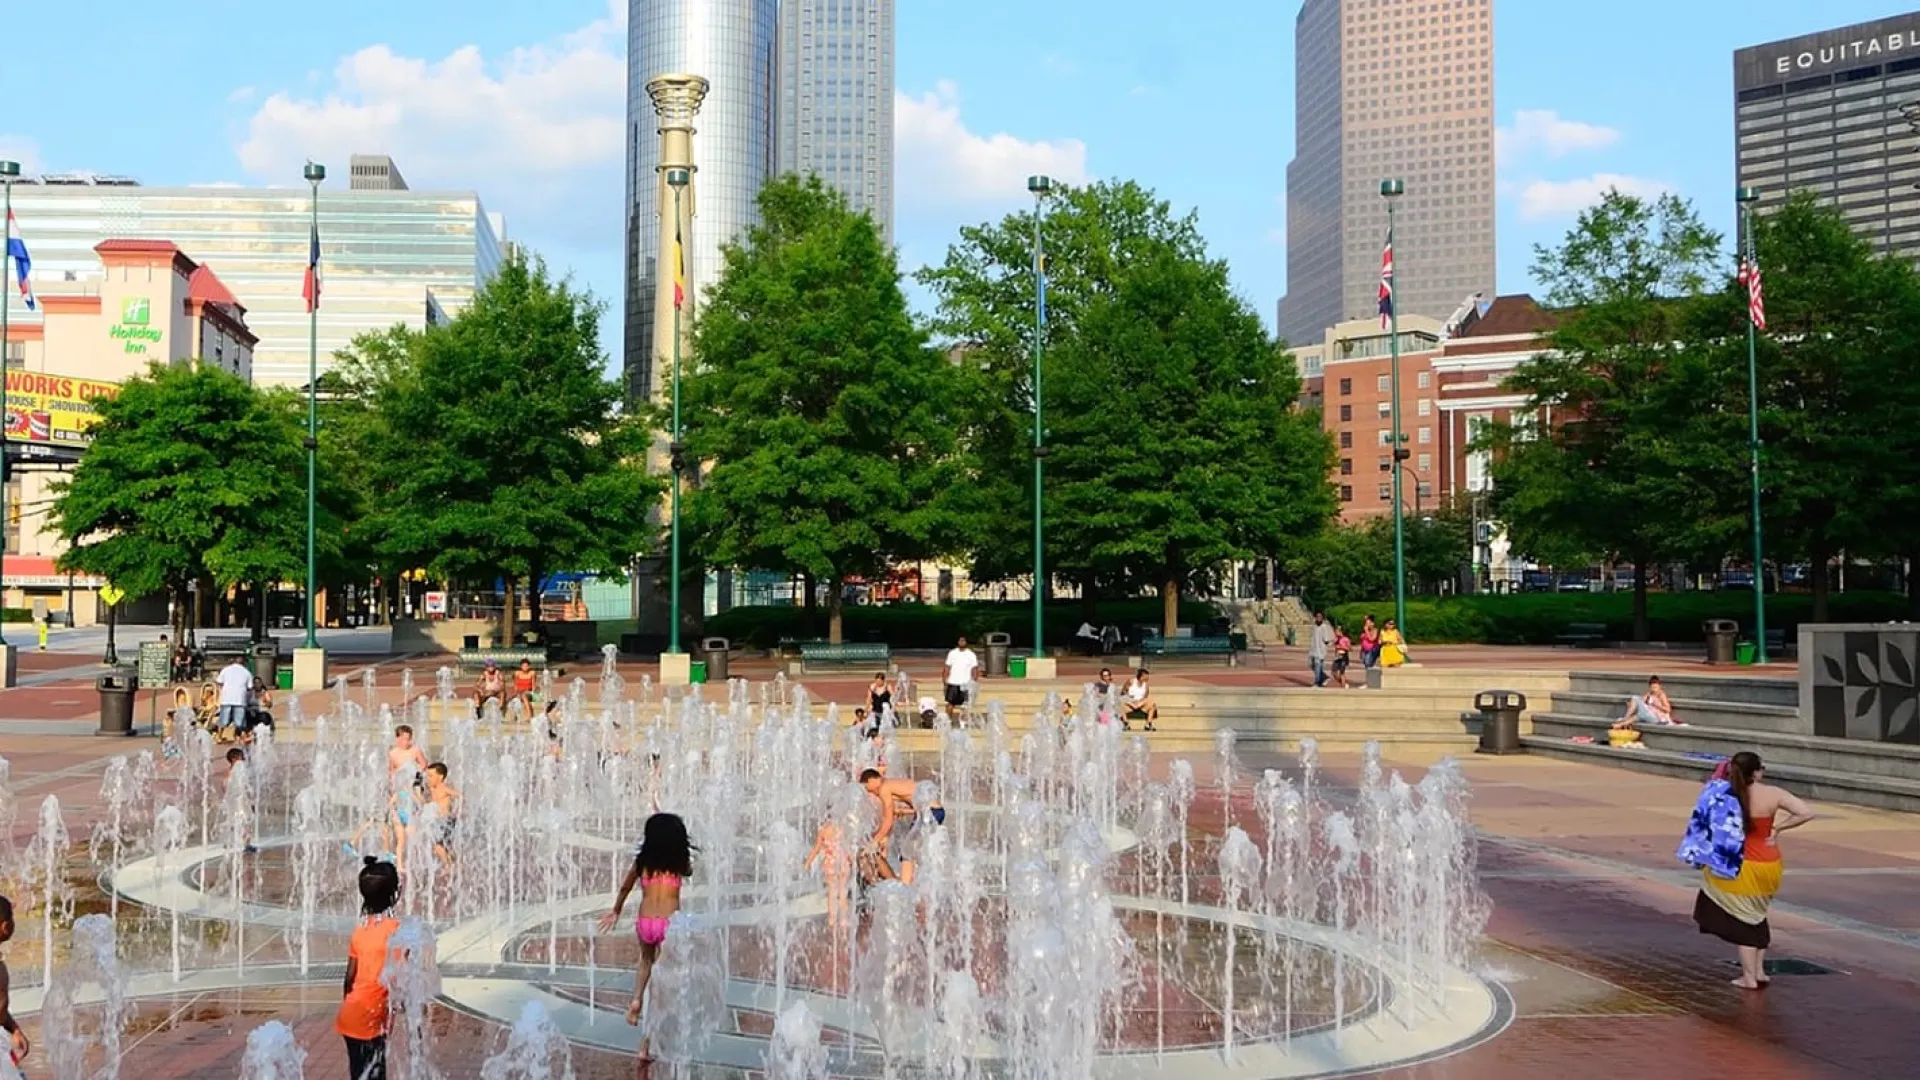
x: 1393, y: 647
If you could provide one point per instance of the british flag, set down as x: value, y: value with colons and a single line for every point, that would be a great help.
x: 1386, y: 281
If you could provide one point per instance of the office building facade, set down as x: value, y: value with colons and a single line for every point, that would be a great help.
x: 387, y: 257
x: 732, y: 46
x: 1838, y: 113
x: 1398, y: 89
x: 835, y: 99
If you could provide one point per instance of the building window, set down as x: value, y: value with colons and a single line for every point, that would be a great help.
x: 1426, y: 379
x: 1424, y: 490
x: 1346, y: 492
x: 1346, y: 440
x: 1426, y: 434
x: 1386, y: 492
x: 1346, y: 466
x: 1386, y: 463
x: 1425, y: 463
x: 1381, y: 384
x: 1426, y: 407
x: 1346, y: 387
x: 1346, y: 411
x: 1386, y: 409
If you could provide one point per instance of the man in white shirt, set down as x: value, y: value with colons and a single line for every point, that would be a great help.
x: 236, y: 688
x: 960, y: 666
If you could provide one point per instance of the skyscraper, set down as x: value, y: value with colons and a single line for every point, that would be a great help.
x: 836, y: 99
x: 730, y: 43
x: 1400, y: 89
x: 1837, y: 112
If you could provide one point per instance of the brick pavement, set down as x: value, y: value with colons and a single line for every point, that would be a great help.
x: 1590, y: 933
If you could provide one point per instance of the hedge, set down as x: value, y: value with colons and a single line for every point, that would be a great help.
x: 1538, y: 618
x: 930, y: 626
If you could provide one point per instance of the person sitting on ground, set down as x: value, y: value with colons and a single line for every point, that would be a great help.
x: 207, y: 713
x: 1651, y: 707
x: 1393, y: 647
x: 929, y: 711
x: 1139, y: 699
x: 259, y: 710
x: 523, y: 689
x: 181, y: 661
x: 493, y: 685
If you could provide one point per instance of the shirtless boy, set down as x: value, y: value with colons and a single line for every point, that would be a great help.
x: 443, y: 796
x: 898, y: 818
x: 405, y: 763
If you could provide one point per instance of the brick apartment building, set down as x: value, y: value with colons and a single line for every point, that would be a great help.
x: 1451, y: 386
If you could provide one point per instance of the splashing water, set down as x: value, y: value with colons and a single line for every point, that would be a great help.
x: 535, y: 1050
x: 273, y: 1053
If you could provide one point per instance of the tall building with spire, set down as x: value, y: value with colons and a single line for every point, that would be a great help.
x: 1398, y: 89
x: 732, y: 46
x: 835, y: 99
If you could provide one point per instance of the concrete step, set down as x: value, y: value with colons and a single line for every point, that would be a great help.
x: 1777, y: 692
x: 1473, y: 680
x: 1850, y: 756
x: 1740, y: 716
x: 1819, y: 785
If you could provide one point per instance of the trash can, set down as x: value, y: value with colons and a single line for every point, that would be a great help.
x: 697, y: 672
x: 1017, y: 667
x: 999, y: 645
x: 1500, y: 720
x: 1720, y: 634
x: 1289, y: 637
x: 1744, y: 652
x: 285, y: 681
x: 713, y: 652
x: 116, y: 703
x: 266, y: 663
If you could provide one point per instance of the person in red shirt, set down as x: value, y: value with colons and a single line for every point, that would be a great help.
x: 362, y: 1019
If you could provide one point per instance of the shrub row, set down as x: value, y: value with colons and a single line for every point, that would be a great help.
x: 930, y: 626
x: 1538, y: 618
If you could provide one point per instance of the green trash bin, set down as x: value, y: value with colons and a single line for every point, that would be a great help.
x: 285, y: 680
x: 699, y: 674
x: 1017, y: 667
x: 1744, y: 652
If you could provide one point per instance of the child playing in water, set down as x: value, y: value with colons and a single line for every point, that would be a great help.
x: 661, y: 865
x: 447, y: 799
x: 17, y: 1044
x: 836, y: 864
x: 178, y: 723
x: 362, y: 1019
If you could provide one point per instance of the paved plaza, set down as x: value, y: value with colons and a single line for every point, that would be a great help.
x: 1590, y: 934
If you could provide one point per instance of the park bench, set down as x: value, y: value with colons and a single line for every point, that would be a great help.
x: 1776, y: 643
x: 217, y: 649
x: 845, y: 654
x: 1191, y: 646
x: 1582, y: 634
x: 473, y: 659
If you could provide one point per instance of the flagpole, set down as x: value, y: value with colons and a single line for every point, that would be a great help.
x: 314, y: 173
x: 677, y: 180
x: 1746, y: 197
x: 9, y: 171
x: 1391, y: 190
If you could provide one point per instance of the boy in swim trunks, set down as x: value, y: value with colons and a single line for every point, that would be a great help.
x: 443, y: 796
x: 898, y: 818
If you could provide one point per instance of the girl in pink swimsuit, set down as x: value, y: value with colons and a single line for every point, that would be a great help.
x: 662, y: 863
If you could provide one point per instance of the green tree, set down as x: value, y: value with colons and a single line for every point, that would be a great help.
x: 1836, y: 369
x: 191, y: 475
x: 500, y: 451
x: 825, y: 420
x: 1618, y: 451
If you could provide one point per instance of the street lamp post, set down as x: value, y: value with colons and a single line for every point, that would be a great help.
x: 677, y: 180
x: 9, y: 172
x: 314, y: 174
x: 1747, y: 197
x: 1041, y: 187
x: 1391, y: 190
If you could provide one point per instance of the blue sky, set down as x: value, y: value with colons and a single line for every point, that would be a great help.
x: 525, y: 103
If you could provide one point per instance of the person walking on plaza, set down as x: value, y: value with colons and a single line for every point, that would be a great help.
x: 236, y: 693
x: 1732, y: 839
x: 960, y: 665
x: 1318, y: 648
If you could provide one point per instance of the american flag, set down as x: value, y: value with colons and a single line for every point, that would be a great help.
x: 1386, y: 281
x: 1756, y: 305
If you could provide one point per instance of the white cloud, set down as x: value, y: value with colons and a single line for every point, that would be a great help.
x: 941, y: 164
x: 1544, y: 200
x: 1543, y: 132
x: 240, y: 95
x: 21, y: 150
x: 539, y: 132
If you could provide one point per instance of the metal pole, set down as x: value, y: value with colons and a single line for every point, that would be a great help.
x: 7, y: 172
x: 673, y: 587
x: 1753, y: 452
x: 1399, y: 515
x: 314, y: 174
x: 1039, y: 430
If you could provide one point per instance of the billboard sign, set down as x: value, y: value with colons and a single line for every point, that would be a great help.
x: 43, y: 407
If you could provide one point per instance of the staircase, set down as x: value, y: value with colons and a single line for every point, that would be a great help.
x: 1722, y: 717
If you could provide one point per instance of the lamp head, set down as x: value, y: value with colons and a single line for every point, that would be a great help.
x: 677, y: 178
x: 9, y: 169
x: 1746, y: 195
x: 1392, y: 189
x: 314, y: 172
x: 1040, y: 185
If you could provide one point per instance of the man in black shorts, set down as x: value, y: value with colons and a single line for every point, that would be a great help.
x: 958, y: 676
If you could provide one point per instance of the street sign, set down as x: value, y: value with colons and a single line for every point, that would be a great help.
x: 155, y: 661
x: 112, y: 594
x: 436, y: 603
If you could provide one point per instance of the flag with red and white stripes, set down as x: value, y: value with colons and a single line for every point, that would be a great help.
x: 1756, y: 305
x: 1386, y: 281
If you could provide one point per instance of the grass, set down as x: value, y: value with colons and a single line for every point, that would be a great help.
x: 1538, y: 618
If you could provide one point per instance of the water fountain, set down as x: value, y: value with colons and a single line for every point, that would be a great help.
x: 273, y: 1053
x: 535, y: 1050
x: 42, y: 874
x: 76, y: 1030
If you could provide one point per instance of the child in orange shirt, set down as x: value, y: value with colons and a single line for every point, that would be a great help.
x: 362, y: 1019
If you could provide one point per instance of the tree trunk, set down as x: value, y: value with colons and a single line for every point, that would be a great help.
x: 258, y: 622
x: 1642, y: 629
x: 1087, y: 597
x: 835, y: 601
x: 509, y: 616
x: 1170, y: 605
x: 811, y: 605
x: 1819, y: 555
x: 536, y: 599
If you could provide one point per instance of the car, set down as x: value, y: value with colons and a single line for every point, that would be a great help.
x: 1580, y: 582
x: 1736, y: 579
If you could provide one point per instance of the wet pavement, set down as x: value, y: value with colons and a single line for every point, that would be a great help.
x: 1590, y: 935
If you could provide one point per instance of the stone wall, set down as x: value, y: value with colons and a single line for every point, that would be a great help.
x: 1857, y: 681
